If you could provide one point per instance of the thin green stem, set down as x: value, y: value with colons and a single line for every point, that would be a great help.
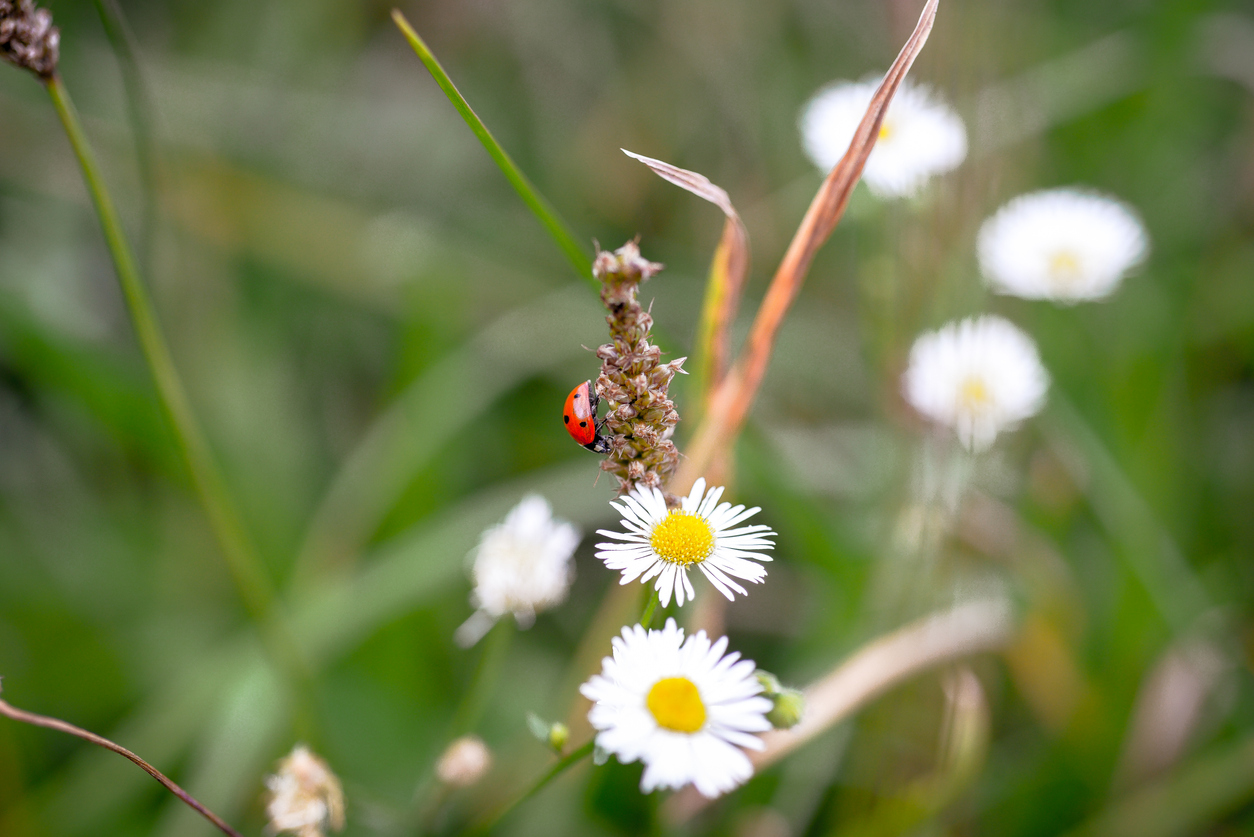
x: 565, y: 762
x: 242, y: 562
x: 139, y: 108
x: 536, y: 202
x: 491, y: 662
x: 650, y: 605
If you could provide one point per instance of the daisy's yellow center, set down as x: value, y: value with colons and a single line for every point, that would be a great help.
x: 886, y: 130
x: 682, y: 538
x: 1064, y: 267
x: 676, y: 704
x: 973, y: 395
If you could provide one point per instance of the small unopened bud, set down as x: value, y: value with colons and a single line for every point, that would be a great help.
x: 559, y: 735
x: 788, y: 705
x: 555, y: 734
x: 305, y: 796
x: 464, y: 762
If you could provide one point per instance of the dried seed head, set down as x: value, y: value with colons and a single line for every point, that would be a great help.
x: 27, y: 37
x: 305, y: 796
x: 633, y: 379
x: 464, y: 762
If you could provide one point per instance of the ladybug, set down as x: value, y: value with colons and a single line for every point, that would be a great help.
x: 580, y: 417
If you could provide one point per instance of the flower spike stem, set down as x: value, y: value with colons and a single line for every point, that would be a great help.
x: 10, y: 711
x: 241, y: 559
x: 536, y: 202
x: 566, y: 761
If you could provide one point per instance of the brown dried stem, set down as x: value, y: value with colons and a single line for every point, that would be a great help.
x: 25, y: 717
x: 731, y: 400
x: 924, y: 644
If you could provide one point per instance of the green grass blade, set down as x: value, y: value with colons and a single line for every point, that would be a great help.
x: 535, y: 201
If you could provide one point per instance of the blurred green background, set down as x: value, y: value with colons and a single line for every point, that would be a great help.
x: 378, y: 336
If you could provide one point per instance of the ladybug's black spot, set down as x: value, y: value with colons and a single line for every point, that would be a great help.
x: 566, y: 419
x: 583, y: 424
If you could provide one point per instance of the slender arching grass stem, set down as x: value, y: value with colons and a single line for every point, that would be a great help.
x: 10, y: 711
x: 241, y: 559
x: 536, y: 202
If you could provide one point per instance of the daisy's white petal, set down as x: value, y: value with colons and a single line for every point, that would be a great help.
x: 700, y: 732
x: 523, y: 565
x: 665, y: 544
x: 978, y: 376
x: 693, y: 500
x: 1064, y: 245
x: 920, y: 136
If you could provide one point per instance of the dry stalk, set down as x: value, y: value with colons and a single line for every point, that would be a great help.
x: 732, y: 398
x: 10, y: 711
x: 930, y: 642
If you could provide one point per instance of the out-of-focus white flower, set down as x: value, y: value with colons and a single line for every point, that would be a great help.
x: 680, y: 706
x: 666, y: 542
x: 1060, y: 244
x: 305, y: 796
x: 920, y: 136
x: 464, y: 762
x: 979, y: 376
x: 522, y: 566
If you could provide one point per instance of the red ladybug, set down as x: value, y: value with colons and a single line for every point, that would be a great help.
x: 580, y: 417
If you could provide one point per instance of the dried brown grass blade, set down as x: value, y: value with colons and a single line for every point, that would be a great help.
x: 727, y: 269
x: 730, y: 402
x: 970, y: 628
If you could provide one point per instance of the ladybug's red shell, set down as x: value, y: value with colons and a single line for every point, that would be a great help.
x: 580, y: 418
x: 580, y: 415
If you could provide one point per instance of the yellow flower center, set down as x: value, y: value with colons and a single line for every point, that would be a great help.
x: 682, y: 538
x: 974, y: 396
x: 676, y: 704
x: 886, y: 130
x: 1064, y: 267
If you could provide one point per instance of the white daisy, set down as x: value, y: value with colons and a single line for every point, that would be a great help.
x: 1060, y: 244
x: 920, y: 136
x: 979, y: 376
x: 680, y: 706
x: 666, y: 542
x: 305, y: 796
x: 521, y: 566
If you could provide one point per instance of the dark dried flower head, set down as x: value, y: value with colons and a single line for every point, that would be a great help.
x: 27, y: 37
x: 633, y: 380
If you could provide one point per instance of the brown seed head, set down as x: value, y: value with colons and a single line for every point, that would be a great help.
x: 633, y: 379
x: 27, y: 37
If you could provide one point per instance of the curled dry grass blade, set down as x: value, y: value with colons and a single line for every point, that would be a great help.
x: 731, y: 399
x: 727, y: 271
x: 536, y: 202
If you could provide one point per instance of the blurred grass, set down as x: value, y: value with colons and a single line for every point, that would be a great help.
x: 377, y: 335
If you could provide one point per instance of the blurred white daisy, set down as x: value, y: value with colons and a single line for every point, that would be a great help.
x: 521, y: 566
x: 979, y: 376
x: 680, y: 706
x: 305, y: 796
x: 1060, y: 244
x: 666, y: 542
x: 920, y: 136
